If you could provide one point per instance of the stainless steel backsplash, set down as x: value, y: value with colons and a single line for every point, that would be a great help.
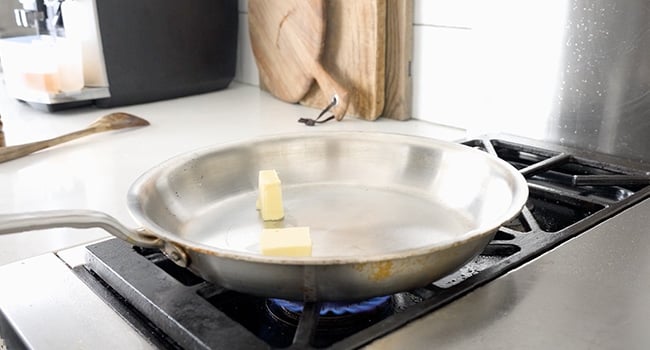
x: 603, y: 99
x: 594, y: 92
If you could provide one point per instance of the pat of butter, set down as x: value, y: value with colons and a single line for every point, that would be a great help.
x: 290, y: 241
x: 270, y: 195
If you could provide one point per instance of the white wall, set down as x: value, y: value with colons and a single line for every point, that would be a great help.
x: 488, y: 66
x: 443, y: 55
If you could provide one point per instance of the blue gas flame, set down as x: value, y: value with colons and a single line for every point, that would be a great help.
x: 335, y: 308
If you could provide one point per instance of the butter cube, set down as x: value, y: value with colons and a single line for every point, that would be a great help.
x: 290, y: 241
x: 270, y: 195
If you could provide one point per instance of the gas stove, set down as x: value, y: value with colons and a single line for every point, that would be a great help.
x: 570, y: 193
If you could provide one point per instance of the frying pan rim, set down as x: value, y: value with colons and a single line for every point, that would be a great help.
x: 136, y: 211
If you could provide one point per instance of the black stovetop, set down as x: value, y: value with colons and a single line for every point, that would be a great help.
x: 569, y: 193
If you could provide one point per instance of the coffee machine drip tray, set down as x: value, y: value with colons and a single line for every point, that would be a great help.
x: 50, y: 102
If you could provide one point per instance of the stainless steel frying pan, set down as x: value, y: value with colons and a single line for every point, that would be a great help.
x: 387, y: 212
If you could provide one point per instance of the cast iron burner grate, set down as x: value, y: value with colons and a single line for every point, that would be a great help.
x: 569, y: 193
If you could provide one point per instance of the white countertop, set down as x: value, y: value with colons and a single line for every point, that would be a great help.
x: 96, y: 172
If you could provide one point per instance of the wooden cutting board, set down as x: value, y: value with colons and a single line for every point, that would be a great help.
x: 2, y: 135
x: 274, y: 27
x: 287, y: 38
x: 367, y: 48
x: 355, y: 55
x: 399, y: 55
x: 357, y: 32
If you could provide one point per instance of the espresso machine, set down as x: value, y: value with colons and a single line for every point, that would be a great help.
x: 119, y: 52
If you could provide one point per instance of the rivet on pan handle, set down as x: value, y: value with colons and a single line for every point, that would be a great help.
x: 176, y: 254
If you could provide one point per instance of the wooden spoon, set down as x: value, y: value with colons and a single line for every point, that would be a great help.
x: 112, y: 121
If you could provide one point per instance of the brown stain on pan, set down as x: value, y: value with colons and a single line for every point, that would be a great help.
x: 382, y: 271
x: 376, y: 271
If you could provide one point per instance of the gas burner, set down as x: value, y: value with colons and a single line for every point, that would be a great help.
x: 333, y: 314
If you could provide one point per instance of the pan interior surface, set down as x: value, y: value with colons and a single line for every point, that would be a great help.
x: 345, y: 220
x: 361, y: 194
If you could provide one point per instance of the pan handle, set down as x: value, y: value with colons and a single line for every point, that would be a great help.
x: 39, y: 220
